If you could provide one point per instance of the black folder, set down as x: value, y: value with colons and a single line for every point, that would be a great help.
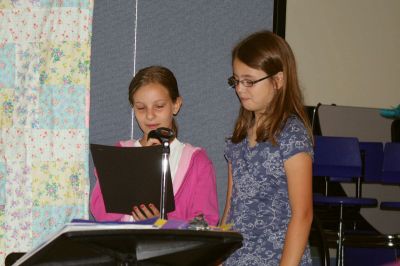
x: 131, y: 176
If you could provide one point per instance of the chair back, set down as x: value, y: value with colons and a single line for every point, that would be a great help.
x: 372, y: 161
x: 337, y: 156
x: 391, y: 163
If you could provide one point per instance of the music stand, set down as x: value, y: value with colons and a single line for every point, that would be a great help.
x: 137, y: 247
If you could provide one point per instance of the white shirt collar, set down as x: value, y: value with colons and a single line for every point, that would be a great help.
x: 176, y: 149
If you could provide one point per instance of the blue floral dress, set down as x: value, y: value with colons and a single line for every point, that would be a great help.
x: 260, y: 207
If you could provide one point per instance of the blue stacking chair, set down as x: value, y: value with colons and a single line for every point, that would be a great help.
x: 337, y: 160
x: 391, y: 175
x: 391, y: 171
x: 371, y: 162
x: 339, y: 157
x: 370, y: 248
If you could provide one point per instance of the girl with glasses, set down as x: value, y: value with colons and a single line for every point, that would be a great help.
x: 269, y: 154
x: 155, y: 99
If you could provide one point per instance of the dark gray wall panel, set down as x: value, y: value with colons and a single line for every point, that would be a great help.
x: 111, y: 71
x: 194, y: 39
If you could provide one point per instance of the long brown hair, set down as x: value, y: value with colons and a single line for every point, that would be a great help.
x: 160, y: 75
x: 268, y: 52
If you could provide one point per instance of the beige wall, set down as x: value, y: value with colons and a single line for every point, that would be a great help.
x: 348, y: 51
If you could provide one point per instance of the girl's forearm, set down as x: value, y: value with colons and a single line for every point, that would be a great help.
x: 296, y: 240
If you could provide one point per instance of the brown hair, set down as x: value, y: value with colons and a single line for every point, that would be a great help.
x: 268, y: 52
x: 160, y: 75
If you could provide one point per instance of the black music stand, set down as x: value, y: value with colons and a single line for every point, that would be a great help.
x: 137, y: 247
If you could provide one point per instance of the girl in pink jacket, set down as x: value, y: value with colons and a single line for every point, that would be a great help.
x: 155, y: 99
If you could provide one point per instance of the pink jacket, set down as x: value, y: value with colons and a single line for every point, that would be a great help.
x: 194, y: 188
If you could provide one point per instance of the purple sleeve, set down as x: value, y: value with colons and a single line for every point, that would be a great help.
x: 228, y: 149
x: 294, y: 139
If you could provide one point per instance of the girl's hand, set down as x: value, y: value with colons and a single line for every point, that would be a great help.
x: 150, y: 142
x: 144, y: 212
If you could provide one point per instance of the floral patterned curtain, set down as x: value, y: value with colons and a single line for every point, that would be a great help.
x: 44, y: 110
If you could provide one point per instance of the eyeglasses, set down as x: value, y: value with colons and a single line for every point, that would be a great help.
x: 245, y: 82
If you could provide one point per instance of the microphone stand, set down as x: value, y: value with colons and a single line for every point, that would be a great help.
x: 164, y: 168
x: 163, y: 135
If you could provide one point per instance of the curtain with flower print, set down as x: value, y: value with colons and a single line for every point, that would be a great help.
x: 44, y: 111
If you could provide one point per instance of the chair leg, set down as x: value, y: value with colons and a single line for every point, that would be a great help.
x: 326, y: 185
x: 323, y: 246
x: 339, y: 250
x: 358, y: 187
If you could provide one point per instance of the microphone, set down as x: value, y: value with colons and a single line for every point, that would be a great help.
x: 163, y: 134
